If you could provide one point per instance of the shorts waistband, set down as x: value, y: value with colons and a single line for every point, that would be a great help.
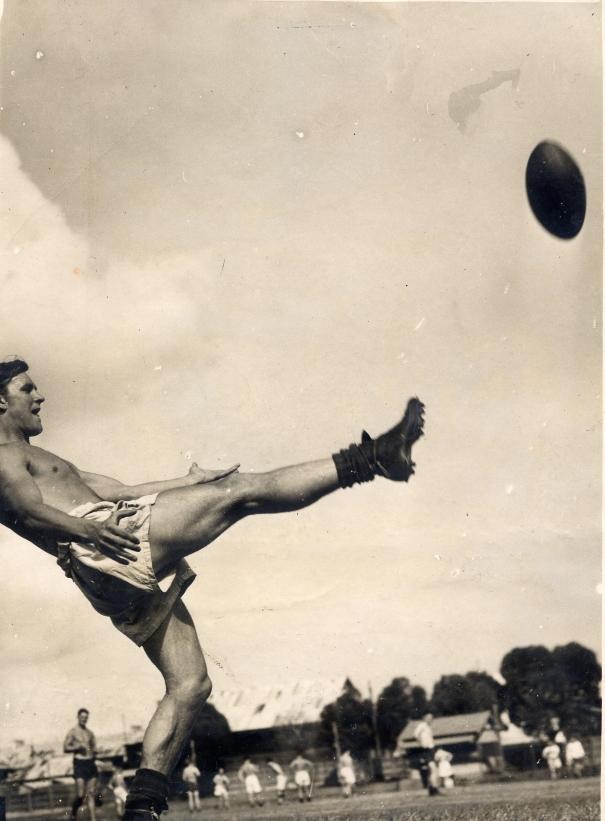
x: 88, y: 507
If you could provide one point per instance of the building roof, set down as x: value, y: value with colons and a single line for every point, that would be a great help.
x: 515, y: 735
x: 278, y: 706
x: 470, y: 728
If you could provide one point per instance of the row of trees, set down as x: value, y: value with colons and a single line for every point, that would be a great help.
x: 539, y: 684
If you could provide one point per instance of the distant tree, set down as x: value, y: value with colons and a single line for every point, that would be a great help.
x: 419, y: 701
x: 471, y: 693
x: 541, y: 684
x: 212, y: 737
x: 352, y: 715
x: 398, y: 703
x: 581, y: 710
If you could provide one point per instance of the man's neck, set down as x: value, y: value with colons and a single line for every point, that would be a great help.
x: 9, y: 434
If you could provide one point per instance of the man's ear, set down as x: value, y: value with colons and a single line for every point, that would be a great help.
x: 3, y: 403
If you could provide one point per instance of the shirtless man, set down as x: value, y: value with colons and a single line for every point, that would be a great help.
x: 303, y: 776
x: 80, y: 741
x: 118, y: 542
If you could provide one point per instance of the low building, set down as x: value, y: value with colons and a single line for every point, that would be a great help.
x: 472, y: 738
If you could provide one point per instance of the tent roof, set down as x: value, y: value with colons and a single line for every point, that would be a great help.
x: 278, y: 706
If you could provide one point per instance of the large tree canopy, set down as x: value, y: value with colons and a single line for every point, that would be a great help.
x: 352, y: 716
x: 399, y: 702
x: 564, y: 683
x: 455, y: 694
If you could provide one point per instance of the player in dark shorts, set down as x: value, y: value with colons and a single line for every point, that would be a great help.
x: 82, y: 743
x: 119, y: 543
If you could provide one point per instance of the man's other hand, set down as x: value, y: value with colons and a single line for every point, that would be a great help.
x: 200, y: 476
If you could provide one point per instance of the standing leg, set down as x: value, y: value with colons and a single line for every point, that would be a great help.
x: 91, y: 792
x: 175, y: 650
x: 79, y: 799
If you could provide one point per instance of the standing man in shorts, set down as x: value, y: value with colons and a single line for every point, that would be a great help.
x: 190, y: 777
x: 82, y: 743
x: 346, y: 773
x: 281, y: 782
x: 303, y: 777
x: 221, y: 789
x: 125, y: 546
x: 423, y: 733
x: 117, y: 784
x: 248, y: 775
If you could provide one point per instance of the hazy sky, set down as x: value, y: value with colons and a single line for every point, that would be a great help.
x: 245, y: 231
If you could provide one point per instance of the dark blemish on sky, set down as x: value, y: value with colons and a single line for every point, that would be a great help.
x: 467, y: 100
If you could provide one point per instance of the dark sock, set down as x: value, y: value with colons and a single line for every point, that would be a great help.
x: 356, y: 464
x: 148, y: 791
x: 76, y: 806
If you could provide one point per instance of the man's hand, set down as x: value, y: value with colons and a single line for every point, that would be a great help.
x: 199, y: 476
x: 111, y: 539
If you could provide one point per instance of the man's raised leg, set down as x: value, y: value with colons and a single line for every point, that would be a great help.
x: 175, y: 650
x: 186, y: 519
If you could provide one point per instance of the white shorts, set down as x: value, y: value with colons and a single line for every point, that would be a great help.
x: 129, y: 594
x: 252, y: 783
x: 220, y: 790
x: 281, y: 782
x: 302, y: 778
x: 120, y: 794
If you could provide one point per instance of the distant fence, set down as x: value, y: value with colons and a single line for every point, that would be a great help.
x: 35, y: 796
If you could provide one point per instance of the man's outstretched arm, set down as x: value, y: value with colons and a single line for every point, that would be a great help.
x: 21, y: 497
x: 112, y: 490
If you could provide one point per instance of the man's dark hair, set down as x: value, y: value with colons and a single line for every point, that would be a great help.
x: 9, y: 368
x: 83, y: 710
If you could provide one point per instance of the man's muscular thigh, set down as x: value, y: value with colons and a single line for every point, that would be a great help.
x: 186, y: 519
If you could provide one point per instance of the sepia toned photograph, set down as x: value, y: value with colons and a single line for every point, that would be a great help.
x: 301, y: 410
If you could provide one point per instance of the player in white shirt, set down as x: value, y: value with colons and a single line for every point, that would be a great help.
x: 423, y: 734
x: 190, y: 777
x: 552, y: 755
x: 346, y: 773
x: 281, y: 781
x: 221, y: 789
x: 574, y: 756
x: 445, y: 771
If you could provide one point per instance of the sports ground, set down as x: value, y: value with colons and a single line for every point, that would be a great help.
x: 519, y: 801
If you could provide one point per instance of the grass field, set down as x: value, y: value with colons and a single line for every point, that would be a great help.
x: 518, y: 801
x: 521, y: 801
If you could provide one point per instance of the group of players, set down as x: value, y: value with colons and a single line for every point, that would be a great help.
x: 302, y: 769
x: 81, y: 742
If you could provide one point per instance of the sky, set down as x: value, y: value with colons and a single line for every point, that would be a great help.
x: 247, y: 231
